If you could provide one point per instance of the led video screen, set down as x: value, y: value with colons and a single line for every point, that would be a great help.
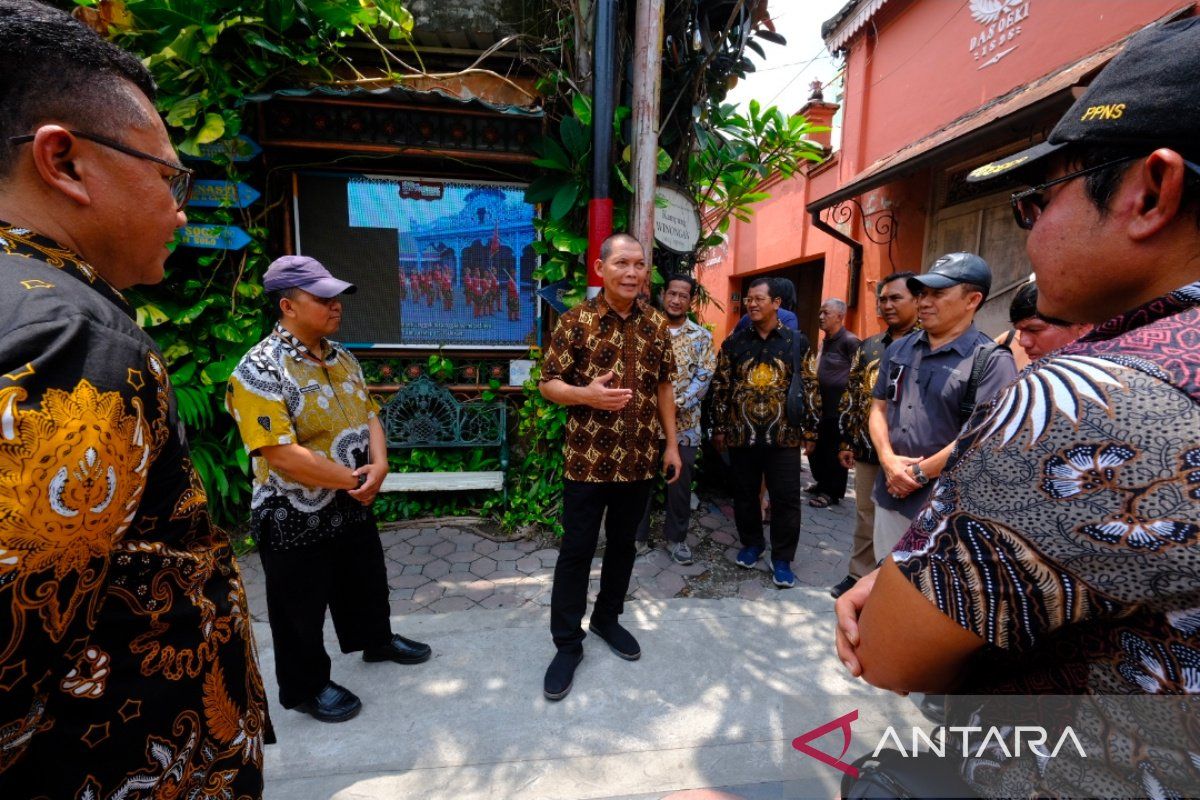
x: 436, y: 262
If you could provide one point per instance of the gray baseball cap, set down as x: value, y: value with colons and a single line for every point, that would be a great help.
x: 304, y: 272
x: 953, y: 268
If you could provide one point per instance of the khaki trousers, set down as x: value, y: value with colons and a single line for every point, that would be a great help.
x: 890, y: 527
x: 862, y: 549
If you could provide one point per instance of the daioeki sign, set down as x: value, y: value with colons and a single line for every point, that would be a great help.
x: 676, y: 220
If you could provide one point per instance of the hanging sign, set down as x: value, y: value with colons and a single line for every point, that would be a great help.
x: 553, y: 294
x: 215, y: 194
x: 239, y: 149
x: 676, y: 220
x: 214, y: 237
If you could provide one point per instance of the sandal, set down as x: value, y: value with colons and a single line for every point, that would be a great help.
x: 822, y: 501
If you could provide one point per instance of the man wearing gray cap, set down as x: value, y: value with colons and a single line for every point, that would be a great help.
x: 929, y: 381
x: 300, y: 402
x: 1057, y: 558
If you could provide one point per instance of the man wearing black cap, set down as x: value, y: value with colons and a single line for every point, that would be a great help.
x: 926, y: 380
x: 301, y: 406
x: 1062, y: 542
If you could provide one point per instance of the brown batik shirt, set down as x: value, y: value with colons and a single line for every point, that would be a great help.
x: 590, y: 340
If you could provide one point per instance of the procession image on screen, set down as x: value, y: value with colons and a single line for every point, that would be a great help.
x: 437, y: 262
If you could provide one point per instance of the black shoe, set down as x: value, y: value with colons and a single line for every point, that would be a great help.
x: 560, y: 674
x: 332, y: 704
x: 400, y: 650
x: 843, y: 587
x: 619, y: 640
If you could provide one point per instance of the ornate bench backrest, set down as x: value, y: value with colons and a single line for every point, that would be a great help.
x: 425, y: 414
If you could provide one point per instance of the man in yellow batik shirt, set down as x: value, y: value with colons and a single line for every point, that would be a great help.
x: 301, y: 406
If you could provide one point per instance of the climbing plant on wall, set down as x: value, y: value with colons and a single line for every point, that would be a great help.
x: 207, y: 57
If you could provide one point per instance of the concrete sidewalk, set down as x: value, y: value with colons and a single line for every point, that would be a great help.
x: 723, y: 687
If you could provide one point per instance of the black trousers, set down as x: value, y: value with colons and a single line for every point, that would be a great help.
x: 347, y: 576
x: 829, y: 474
x: 781, y: 468
x: 584, y: 505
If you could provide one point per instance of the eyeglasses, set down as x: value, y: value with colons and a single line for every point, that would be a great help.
x: 1028, y: 205
x: 180, y: 183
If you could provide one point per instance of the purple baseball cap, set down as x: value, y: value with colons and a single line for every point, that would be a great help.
x: 304, y: 272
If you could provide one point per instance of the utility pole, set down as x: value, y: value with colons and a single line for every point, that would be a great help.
x: 600, y: 206
x: 647, y: 88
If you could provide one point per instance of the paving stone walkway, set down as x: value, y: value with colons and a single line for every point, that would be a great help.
x: 459, y: 565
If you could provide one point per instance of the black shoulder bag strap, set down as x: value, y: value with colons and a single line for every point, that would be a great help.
x: 982, y: 356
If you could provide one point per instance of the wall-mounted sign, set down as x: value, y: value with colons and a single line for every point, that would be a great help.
x: 239, y: 149
x: 421, y: 190
x: 214, y: 237
x: 1000, y: 22
x: 214, y: 194
x: 676, y: 220
x: 519, y: 370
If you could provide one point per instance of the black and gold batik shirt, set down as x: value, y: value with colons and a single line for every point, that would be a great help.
x: 588, y: 341
x: 854, y: 411
x: 749, y: 390
x: 127, y: 662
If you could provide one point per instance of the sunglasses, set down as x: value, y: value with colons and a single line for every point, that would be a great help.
x: 180, y: 183
x: 1028, y: 205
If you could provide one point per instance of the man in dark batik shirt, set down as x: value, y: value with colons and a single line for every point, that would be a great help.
x: 126, y: 655
x: 749, y: 410
x: 610, y: 362
x: 1060, y: 551
x: 833, y: 373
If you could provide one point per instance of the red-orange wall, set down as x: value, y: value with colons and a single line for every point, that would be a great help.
x: 909, y: 72
x: 916, y: 72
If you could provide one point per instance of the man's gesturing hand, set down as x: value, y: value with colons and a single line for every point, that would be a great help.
x: 598, y: 395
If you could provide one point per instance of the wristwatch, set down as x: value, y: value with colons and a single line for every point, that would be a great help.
x: 918, y: 475
x: 362, y: 479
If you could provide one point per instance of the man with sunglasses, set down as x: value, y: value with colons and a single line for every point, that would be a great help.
x: 126, y: 654
x: 1058, y: 555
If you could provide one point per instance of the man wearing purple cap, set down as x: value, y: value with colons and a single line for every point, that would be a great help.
x: 301, y: 406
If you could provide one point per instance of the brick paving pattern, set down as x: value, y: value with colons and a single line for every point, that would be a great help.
x: 458, y: 567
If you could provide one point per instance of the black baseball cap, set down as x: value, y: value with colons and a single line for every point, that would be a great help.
x: 1147, y: 95
x: 953, y: 268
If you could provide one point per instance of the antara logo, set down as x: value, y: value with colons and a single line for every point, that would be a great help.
x: 1023, y: 739
x: 843, y: 722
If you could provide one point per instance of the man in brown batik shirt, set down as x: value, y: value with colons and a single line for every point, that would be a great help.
x: 610, y: 362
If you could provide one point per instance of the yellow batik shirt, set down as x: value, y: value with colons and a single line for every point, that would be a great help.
x: 278, y: 396
x: 126, y: 654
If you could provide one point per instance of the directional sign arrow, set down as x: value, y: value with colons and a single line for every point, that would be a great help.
x: 214, y: 194
x: 214, y: 237
x: 239, y: 149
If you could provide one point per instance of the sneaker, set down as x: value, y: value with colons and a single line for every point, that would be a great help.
x: 681, y: 554
x: 782, y: 575
x: 642, y: 548
x: 844, y: 586
x: 748, y: 556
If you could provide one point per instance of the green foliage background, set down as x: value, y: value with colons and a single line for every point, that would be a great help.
x: 209, y: 56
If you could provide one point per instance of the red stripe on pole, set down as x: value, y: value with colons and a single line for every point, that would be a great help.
x: 600, y: 216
